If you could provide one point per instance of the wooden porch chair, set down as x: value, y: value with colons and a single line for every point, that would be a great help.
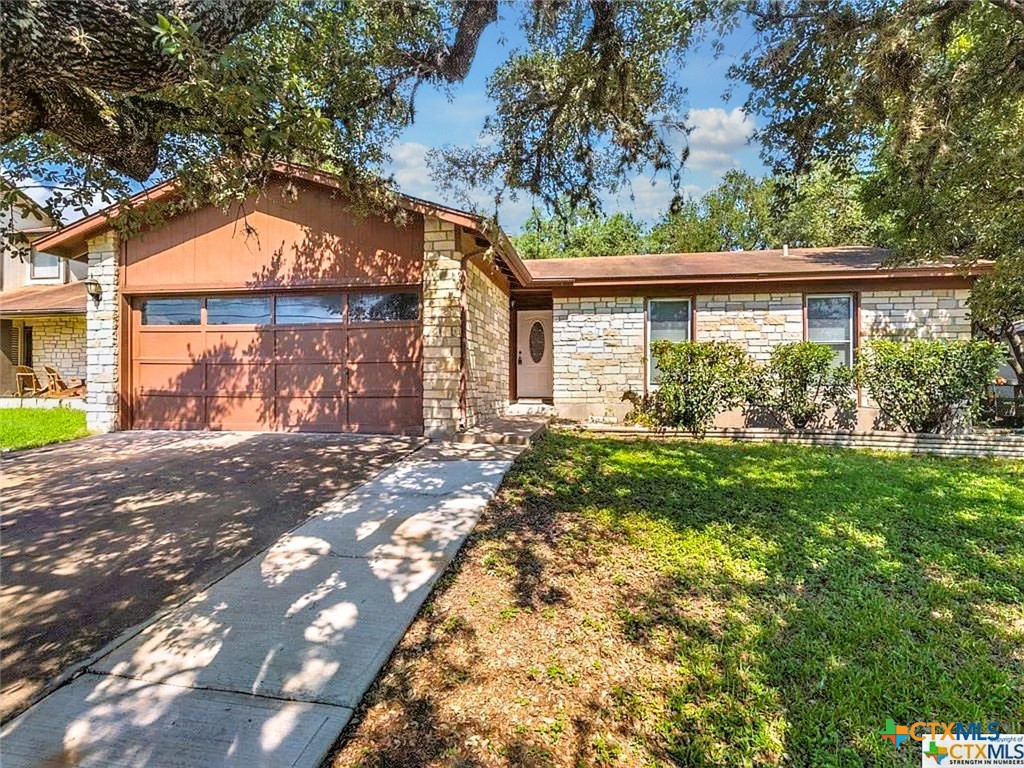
x: 57, y: 387
x: 27, y: 381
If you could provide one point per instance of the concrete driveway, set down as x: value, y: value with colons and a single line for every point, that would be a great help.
x: 101, y: 534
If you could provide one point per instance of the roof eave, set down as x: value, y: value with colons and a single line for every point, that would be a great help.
x: 880, y: 274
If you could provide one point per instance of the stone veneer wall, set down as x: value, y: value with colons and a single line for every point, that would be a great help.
x: 598, y: 353
x: 102, y: 338
x: 599, y: 342
x: 758, y: 322
x: 441, y: 328
x: 934, y: 313
x: 59, y: 341
x: 487, y: 346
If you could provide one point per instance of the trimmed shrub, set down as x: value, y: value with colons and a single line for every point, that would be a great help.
x: 928, y: 386
x: 698, y: 380
x: 802, y: 388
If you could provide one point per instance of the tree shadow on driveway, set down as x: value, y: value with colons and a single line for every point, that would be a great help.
x: 101, y: 534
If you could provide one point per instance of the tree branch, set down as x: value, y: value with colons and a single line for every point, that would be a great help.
x: 72, y: 67
x: 452, y: 63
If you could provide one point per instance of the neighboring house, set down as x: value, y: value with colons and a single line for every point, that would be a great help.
x: 307, y: 317
x: 42, y: 302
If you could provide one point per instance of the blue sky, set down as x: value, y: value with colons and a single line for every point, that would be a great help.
x: 718, y: 142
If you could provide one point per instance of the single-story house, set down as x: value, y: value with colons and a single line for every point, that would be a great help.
x: 307, y: 317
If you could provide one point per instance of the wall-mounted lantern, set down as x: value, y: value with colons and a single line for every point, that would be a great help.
x: 94, y: 289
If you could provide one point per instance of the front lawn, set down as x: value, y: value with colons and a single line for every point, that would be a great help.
x: 29, y: 427
x: 674, y: 603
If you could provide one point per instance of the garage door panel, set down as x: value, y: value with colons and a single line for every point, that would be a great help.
x: 385, y: 379
x: 168, y: 411
x: 240, y: 378
x: 238, y: 345
x: 170, y: 377
x: 384, y: 414
x: 310, y: 344
x: 170, y: 345
x: 315, y: 379
x: 240, y: 411
x: 328, y: 377
x: 312, y: 414
x: 400, y: 344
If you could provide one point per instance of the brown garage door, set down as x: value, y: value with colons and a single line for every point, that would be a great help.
x: 321, y: 362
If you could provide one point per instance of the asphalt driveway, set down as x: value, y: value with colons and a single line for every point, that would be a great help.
x: 103, y: 533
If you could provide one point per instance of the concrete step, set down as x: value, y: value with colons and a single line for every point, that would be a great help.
x: 530, y: 408
x: 509, y: 430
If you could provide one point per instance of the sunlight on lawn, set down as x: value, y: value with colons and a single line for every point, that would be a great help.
x: 30, y: 427
x: 848, y: 586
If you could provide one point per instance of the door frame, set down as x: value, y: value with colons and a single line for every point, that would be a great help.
x: 514, y: 350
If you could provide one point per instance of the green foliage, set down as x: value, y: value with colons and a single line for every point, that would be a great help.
x: 587, y: 101
x: 821, y: 208
x: 697, y: 381
x: 735, y: 214
x: 930, y: 97
x: 997, y: 306
x: 824, y: 208
x: 802, y: 388
x: 928, y: 386
x: 582, y: 233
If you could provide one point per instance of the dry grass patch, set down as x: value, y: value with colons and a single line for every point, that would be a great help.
x: 527, y: 655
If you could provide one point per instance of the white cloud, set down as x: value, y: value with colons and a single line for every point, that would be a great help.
x: 409, y: 167
x: 716, y: 137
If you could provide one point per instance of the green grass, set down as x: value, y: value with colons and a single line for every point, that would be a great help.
x: 30, y: 427
x: 809, y: 593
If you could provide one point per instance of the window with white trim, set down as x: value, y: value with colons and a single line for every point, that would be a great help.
x: 830, y: 322
x: 669, y: 320
x: 44, y: 266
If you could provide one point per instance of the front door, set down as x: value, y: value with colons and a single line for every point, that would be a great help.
x: 533, y: 354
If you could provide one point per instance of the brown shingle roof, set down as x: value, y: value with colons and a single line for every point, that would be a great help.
x: 69, y: 299
x: 725, y: 265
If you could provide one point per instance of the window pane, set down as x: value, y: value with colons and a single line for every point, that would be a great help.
x: 45, y: 265
x: 171, y: 311
x: 843, y: 355
x: 238, y: 310
x: 301, y: 310
x: 379, y: 307
x: 669, y: 320
x: 828, y: 318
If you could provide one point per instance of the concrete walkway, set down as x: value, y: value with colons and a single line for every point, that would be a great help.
x: 265, y: 667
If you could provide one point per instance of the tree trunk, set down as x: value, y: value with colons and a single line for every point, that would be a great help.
x: 72, y: 67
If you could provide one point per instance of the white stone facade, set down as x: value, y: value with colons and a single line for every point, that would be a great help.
x: 102, y: 338
x: 442, y: 328
x: 487, y: 345
x: 598, y: 353
x: 57, y: 341
x: 758, y: 322
x: 935, y: 313
x: 599, y: 350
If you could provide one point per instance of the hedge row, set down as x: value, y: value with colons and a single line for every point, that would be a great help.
x: 919, y: 386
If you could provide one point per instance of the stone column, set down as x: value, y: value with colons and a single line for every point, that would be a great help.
x: 441, y: 328
x: 102, y: 404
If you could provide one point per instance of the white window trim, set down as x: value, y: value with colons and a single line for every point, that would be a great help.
x: 652, y: 385
x: 853, y: 313
x: 59, y: 277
